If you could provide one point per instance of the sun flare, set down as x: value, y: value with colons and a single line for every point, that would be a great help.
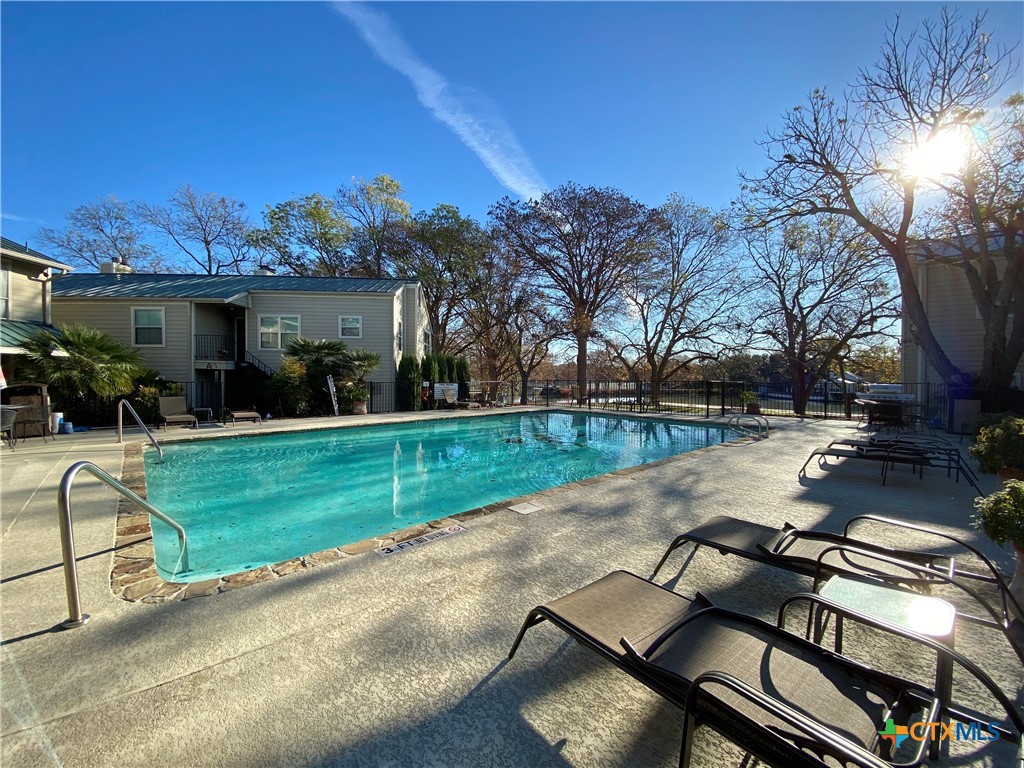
x: 941, y: 153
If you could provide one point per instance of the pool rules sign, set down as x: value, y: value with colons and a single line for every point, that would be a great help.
x: 426, y: 538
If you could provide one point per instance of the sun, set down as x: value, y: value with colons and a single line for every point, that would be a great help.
x: 941, y: 153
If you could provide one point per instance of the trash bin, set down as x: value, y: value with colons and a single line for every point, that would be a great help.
x: 55, y: 421
x: 67, y: 428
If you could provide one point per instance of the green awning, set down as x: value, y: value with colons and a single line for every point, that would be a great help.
x: 14, y: 333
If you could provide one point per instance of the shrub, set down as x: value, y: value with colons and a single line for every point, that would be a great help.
x: 462, y: 369
x: 407, y: 384
x: 747, y: 397
x: 1000, y: 445
x: 1001, y: 515
x: 289, y: 385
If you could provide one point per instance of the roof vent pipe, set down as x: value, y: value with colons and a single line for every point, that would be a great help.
x: 264, y: 270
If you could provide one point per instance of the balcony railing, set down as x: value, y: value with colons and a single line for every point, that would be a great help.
x: 215, y: 347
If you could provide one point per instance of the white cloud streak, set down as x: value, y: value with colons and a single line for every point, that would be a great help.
x: 23, y: 219
x: 470, y: 115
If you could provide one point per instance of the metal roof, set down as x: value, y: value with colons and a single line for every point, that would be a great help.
x: 14, y: 333
x: 214, y: 287
x: 29, y: 254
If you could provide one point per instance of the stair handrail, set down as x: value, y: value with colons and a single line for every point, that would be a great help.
x: 67, y: 538
x: 123, y: 403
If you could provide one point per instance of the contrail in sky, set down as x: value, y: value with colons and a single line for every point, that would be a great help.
x: 25, y: 219
x: 469, y: 114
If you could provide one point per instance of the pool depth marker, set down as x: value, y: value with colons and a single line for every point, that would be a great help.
x: 426, y: 538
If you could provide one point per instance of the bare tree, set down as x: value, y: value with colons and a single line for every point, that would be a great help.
x: 306, y: 236
x: 379, y: 213
x: 101, y: 231
x: 680, y: 303
x: 856, y: 158
x: 816, y: 287
x: 211, y: 231
x: 583, y: 243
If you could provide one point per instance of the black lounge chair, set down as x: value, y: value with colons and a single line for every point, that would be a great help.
x: 779, y: 696
x: 820, y: 555
x: 918, y: 451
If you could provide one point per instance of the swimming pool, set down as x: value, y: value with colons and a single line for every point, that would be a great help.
x: 251, y: 501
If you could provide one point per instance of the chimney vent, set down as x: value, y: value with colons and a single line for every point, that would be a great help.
x: 264, y: 270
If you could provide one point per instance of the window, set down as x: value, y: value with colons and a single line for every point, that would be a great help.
x: 426, y: 339
x: 5, y: 286
x: 350, y: 327
x: 148, y: 326
x: 398, y: 336
x: 276, y: 331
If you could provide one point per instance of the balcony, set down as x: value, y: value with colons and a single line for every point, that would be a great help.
x: 215, y: 351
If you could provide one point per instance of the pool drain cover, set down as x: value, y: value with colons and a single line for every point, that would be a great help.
x: 525, y: 508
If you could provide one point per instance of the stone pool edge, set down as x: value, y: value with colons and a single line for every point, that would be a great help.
x: 134, y: 578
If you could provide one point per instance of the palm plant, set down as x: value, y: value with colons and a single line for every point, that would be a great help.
x: 321, y: 358
x: 81, y: 362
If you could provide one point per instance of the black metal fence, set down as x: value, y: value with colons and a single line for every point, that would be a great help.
x: 719, y: 398
x: 931, y: 404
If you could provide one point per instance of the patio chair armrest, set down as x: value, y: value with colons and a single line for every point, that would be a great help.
x: 830, y: 741
x: 955, y: 656
x: 993, y: 576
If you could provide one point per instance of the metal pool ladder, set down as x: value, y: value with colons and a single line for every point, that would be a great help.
x: 737, y: 422
x: 121, y: 404
x: 67, y: 539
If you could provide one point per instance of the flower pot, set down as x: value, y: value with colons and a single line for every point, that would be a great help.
x: 1010, y: 473
x: 359, y: 408
x: 754, y: 409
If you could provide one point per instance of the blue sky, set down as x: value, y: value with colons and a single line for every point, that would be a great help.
x: 463, y: 103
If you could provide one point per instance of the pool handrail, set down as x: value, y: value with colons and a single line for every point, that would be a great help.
x: 123, y: 403
x: 67, y: 538
x: 736, y: 420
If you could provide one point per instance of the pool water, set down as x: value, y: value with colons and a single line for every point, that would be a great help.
x: 251, y: 501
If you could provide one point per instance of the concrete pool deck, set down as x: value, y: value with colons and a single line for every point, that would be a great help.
x: 399, y: 660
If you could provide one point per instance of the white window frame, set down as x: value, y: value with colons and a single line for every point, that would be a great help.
x: 5, y: 293
x: 400, y: 341
x: 341, y: 334
x: 163, y: 326
x: 259, y: 329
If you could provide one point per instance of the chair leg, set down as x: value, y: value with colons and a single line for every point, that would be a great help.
x: 676, y: 544
x: 532, y: 619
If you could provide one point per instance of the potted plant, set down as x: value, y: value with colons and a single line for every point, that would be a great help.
x: 749, y: 399
x: 1000, y: 448
x: 360, y: 362
x: 1001, y: 517
x: 359, y: 395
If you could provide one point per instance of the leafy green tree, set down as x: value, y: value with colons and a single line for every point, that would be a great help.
x: 379, y: 214
x: 80, y: 362
x: 442, y: 249
x: 308, y: 236
x: 104, y: 230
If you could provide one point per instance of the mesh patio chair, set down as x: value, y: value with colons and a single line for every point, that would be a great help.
x: 820, y: 555
x: 173, y: 410
x: 784, y: 699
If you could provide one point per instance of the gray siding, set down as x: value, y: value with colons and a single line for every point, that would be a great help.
x: 114, y: 317
x: 26, y: 295
x: 954, y: 320
x: 213, y: 319
x: 318, y: 319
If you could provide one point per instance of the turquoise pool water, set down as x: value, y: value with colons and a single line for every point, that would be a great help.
x: 247, y: 502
